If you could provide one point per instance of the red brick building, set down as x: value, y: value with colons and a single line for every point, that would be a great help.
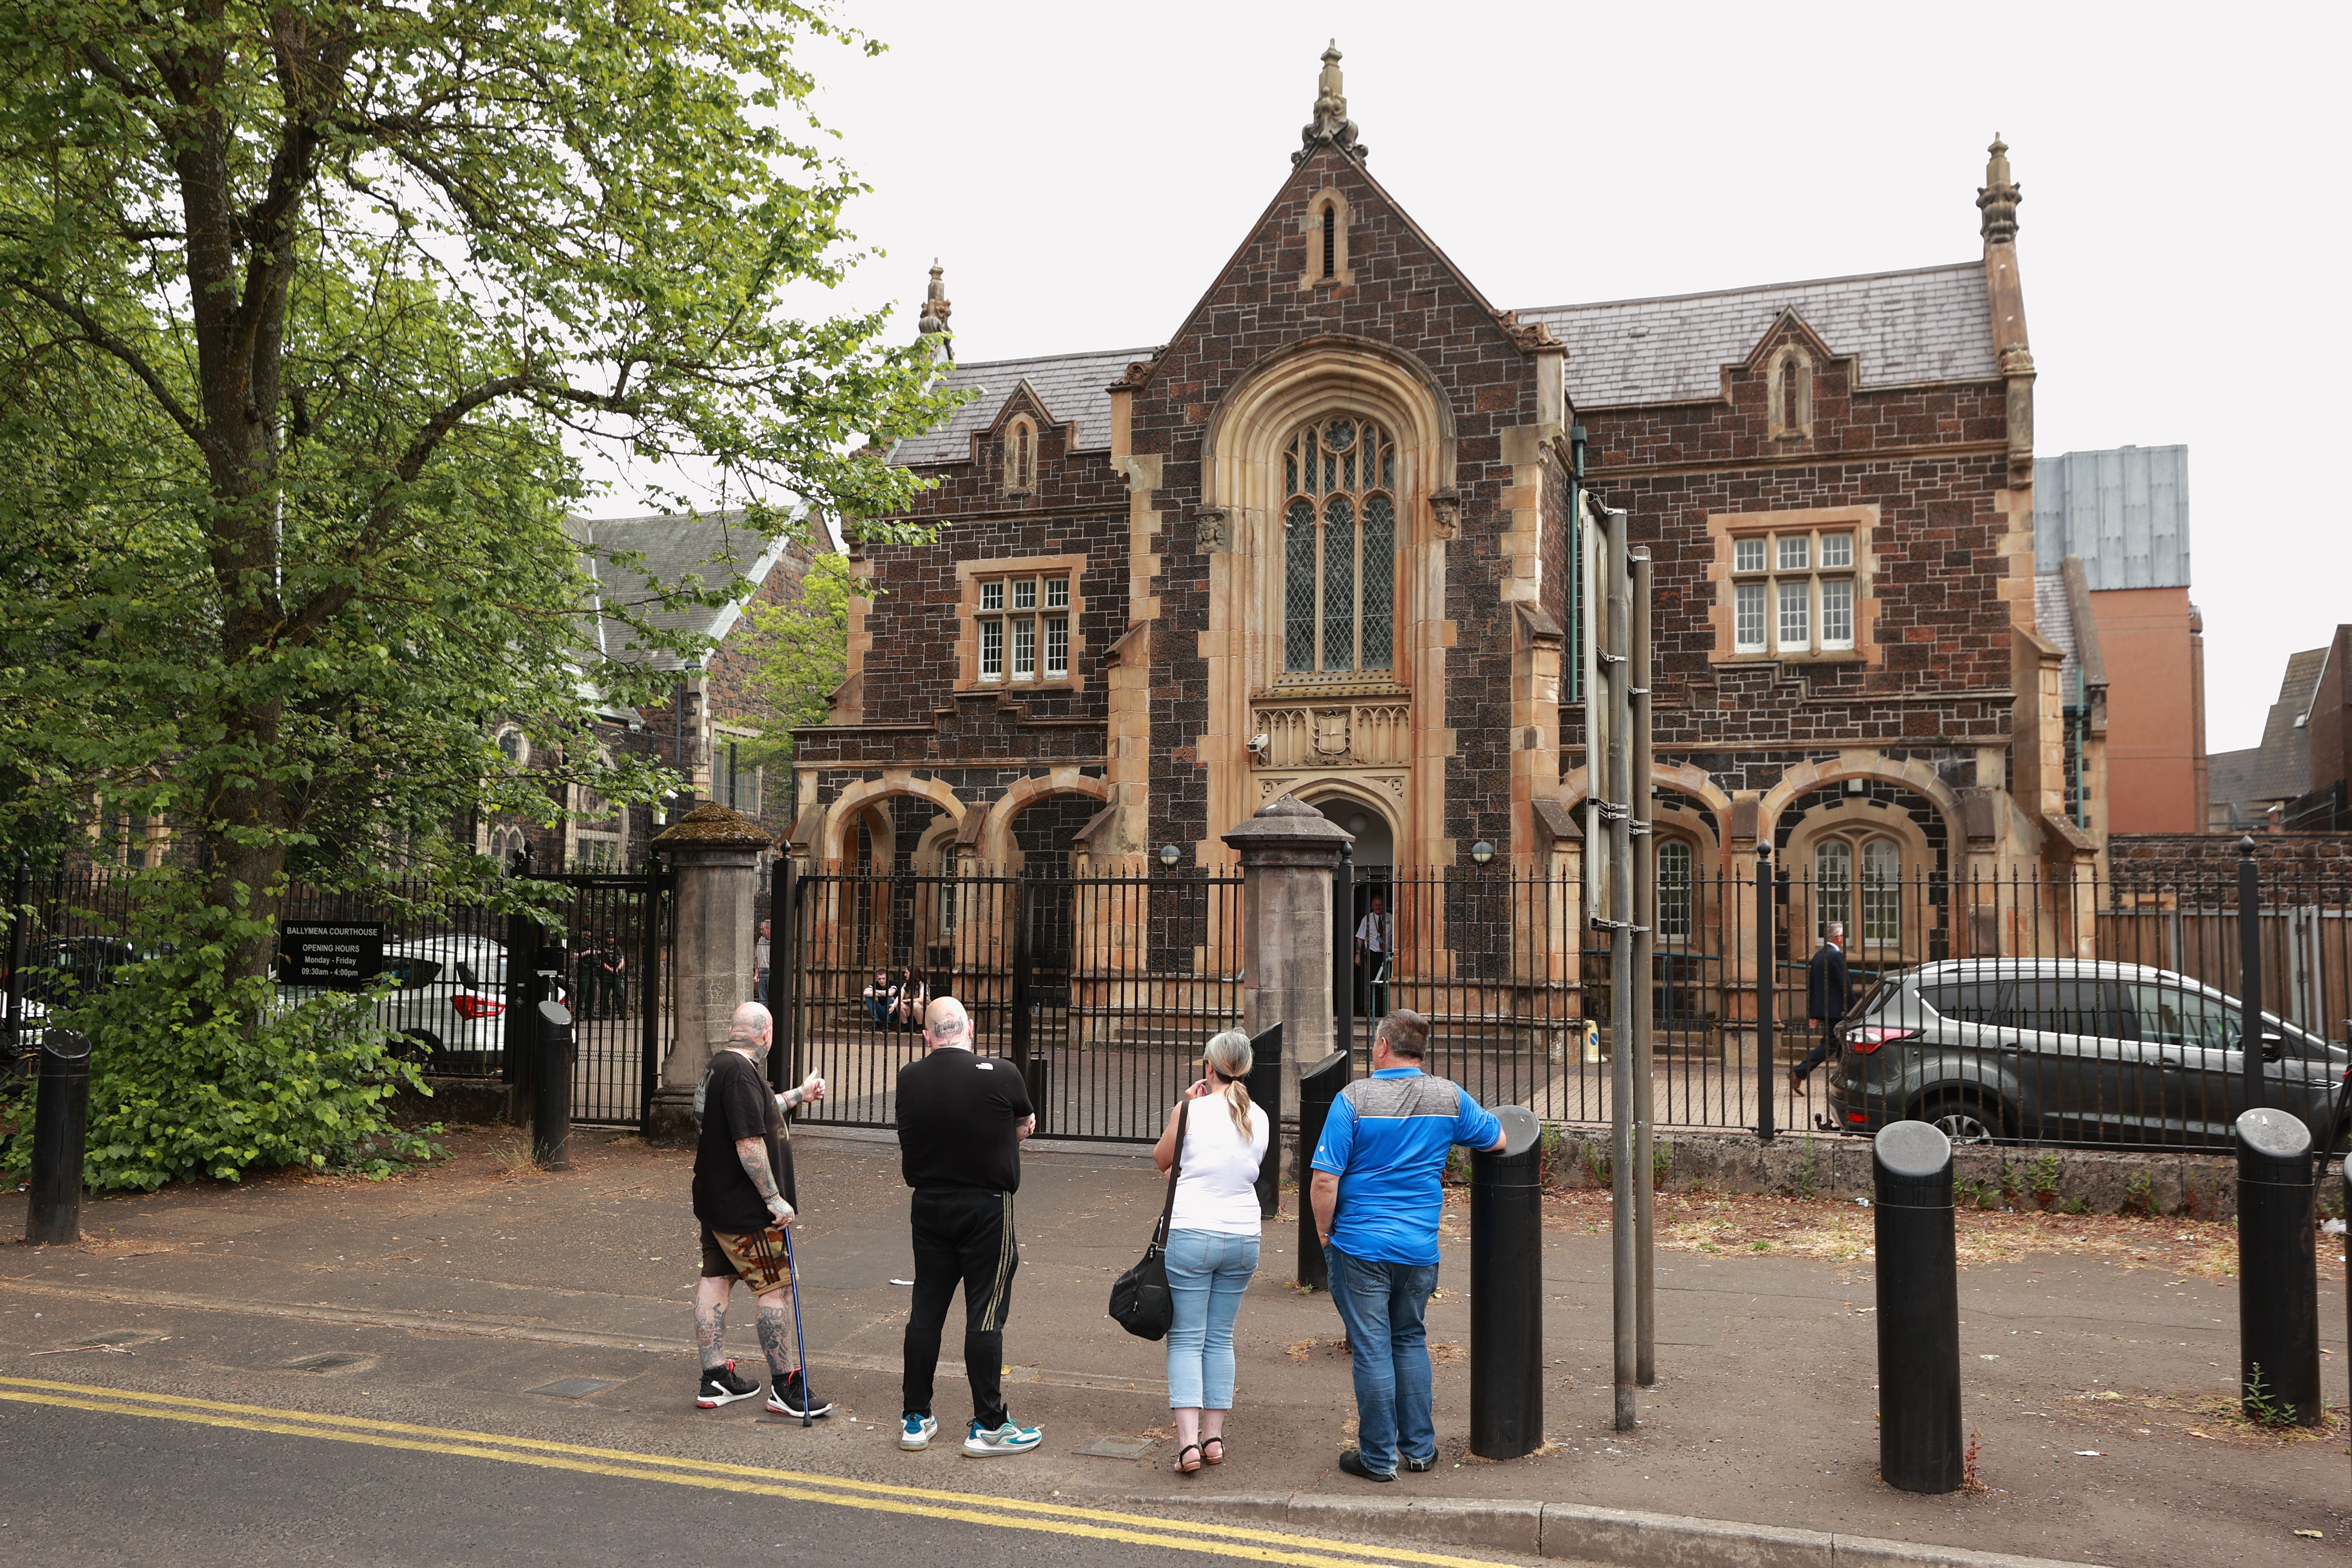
x: 1319, y: 543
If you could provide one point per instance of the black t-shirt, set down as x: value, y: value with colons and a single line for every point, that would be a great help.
x: 737, y: 1103
x: 960, y: 1119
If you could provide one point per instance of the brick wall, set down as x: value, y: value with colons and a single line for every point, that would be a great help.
x: 2324, y: 857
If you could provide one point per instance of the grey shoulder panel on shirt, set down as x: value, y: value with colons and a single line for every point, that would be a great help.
x: 1400, y: 1097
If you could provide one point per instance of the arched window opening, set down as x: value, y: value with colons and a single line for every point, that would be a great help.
x: 1789, y: 394
x: 1339, y: 552
x: 1675, y: 862
x: 1330, y: 239
x: 1020, y: 457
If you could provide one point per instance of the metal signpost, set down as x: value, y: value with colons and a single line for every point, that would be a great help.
x: 1620, y: 893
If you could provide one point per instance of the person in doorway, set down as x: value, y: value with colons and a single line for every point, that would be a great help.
x: 1826, y: 998
x: 742, y: 1171
x: 763, y: 946
x: 962, y: 1118
x: 1212, y: 1242
x: 880, y: 997
x: 1375, y: 945
x: 1376, y: 1193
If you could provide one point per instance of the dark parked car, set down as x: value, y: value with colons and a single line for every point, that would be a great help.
x: 2069, y: 1049
x: 59, y: 969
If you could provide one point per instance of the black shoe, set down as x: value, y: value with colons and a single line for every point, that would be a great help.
x: 723, y: 1385
x: 1353, y: 1463
x: 790, y: 1397
x: 1416, y: 1465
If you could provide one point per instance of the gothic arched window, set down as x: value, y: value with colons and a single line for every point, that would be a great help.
x: 1020, y: 457
x: 1338, y: 548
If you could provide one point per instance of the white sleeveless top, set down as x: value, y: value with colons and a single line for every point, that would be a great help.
x: 1216, y: 1190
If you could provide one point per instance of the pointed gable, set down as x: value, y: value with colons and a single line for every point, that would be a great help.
x: 1072, y: 389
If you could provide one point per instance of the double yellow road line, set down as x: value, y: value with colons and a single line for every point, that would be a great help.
x: 1243, y: 1542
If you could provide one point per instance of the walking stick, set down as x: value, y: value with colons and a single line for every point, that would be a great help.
x: 800, y: 1341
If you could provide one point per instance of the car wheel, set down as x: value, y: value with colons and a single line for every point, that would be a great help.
x: 1963, y: 1118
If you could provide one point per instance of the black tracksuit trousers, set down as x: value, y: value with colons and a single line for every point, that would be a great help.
x: 963, y: 1235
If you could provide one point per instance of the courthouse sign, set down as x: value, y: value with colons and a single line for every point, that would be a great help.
x: 342, y: 955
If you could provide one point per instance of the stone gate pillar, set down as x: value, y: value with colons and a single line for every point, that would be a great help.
x: 716, y: 852
x: 1288, y: 851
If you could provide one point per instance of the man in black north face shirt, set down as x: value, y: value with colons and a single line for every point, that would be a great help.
x: 962, y: 1118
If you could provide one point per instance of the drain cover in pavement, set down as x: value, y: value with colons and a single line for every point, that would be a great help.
x: 333, y: 1361
x: 1117, y: 1448
x: 575, y: 1387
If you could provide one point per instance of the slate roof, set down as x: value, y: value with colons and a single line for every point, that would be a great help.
x: 2280, y: 768
x: 1930, y: 323
x: 2125, y: 511
x: 1074, y: 388
x: 2054, y: 617
x: 714, y: 547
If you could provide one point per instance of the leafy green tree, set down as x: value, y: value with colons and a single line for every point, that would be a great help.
x: 799, y: 654
x: 308, y: 311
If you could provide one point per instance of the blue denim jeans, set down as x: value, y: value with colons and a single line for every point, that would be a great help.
x: 1207, y: 1272
x: 1382, y: 1304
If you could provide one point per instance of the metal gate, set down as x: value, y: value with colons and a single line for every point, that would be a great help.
x: 1103, y: 989
x: 618, y: 942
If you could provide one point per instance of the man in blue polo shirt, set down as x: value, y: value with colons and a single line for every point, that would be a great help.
x: 1377, y: 1192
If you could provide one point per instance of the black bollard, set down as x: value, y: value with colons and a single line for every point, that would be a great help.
x: 550, y: 1133
x: 1918, y: 1310
x: 2348, y: 1264
x: 61, y: 1123
x: 1506, y: 1292
x: 2278, y: 1271
x: 1265, y: 1087
x: 1318, y: 1086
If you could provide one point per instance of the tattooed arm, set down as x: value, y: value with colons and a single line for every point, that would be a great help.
x: 753, y: 1153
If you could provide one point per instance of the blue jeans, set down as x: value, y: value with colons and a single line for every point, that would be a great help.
x: 1382, y: 1304
x: 1207, y: 1272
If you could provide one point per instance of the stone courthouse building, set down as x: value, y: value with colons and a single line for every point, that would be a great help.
x: 1320, y: 543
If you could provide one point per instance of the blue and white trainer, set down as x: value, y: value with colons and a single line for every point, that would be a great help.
x: 915, y: 1432
x: 986, y: 1442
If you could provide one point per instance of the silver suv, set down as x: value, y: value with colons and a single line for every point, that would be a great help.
x: 2072, y: 1050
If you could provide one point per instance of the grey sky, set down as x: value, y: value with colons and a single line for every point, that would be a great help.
x: 1083, y: 171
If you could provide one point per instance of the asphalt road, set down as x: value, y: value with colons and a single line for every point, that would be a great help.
x: 92, y: 1477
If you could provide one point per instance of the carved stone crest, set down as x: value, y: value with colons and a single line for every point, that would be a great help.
x: 1445, y: 510
x: 1331, y: 731
x: 1213, y: 526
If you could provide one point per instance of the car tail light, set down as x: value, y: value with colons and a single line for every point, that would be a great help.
x: 1856, y: 1117
x: 1867, y: 1038
x: 476, y: 1006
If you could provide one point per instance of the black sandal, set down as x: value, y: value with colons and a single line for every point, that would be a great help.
x: 1220, y: 1442
x: 1181, y: 1468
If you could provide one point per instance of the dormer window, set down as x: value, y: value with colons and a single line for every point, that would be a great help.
x: 1020, y: 457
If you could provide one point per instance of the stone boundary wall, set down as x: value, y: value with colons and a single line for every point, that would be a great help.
x: 2161, y: 858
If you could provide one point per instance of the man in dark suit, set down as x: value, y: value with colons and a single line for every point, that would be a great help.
x: 1826, y: 998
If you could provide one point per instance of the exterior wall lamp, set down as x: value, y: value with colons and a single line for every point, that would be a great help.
x: 1170, y: 855
x: 1482, y: 852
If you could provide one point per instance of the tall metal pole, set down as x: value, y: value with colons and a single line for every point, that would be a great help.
x: 1766, y: 973
x: 1645, y: 911
x: 1617, y: 809
x: 2250, y: 971
x: 784, y: 957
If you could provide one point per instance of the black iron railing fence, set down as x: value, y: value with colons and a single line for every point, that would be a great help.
x: 1103, y: 989
x: 453, y: 992
x: 1107, y: 988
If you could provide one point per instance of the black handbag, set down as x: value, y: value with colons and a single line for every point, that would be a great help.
x: 1139, y: 1298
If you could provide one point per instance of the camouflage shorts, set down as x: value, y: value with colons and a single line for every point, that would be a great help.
x: 755, y: 1256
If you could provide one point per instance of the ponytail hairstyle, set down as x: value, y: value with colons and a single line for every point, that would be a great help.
x: 1229, y: 1053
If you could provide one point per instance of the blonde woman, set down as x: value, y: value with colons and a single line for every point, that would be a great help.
x: 1212, y: 1236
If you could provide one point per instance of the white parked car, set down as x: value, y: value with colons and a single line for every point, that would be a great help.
x: 451, y: 1000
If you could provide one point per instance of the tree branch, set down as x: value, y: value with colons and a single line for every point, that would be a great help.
x: 95, y: 334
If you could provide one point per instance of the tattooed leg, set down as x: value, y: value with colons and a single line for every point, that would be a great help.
x: 776, y: 1334
x: 711, y: 1322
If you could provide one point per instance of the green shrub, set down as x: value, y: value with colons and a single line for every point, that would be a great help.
x: 193, y: 1076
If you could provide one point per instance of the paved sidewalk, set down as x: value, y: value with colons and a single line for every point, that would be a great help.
x: 458, y: 1291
